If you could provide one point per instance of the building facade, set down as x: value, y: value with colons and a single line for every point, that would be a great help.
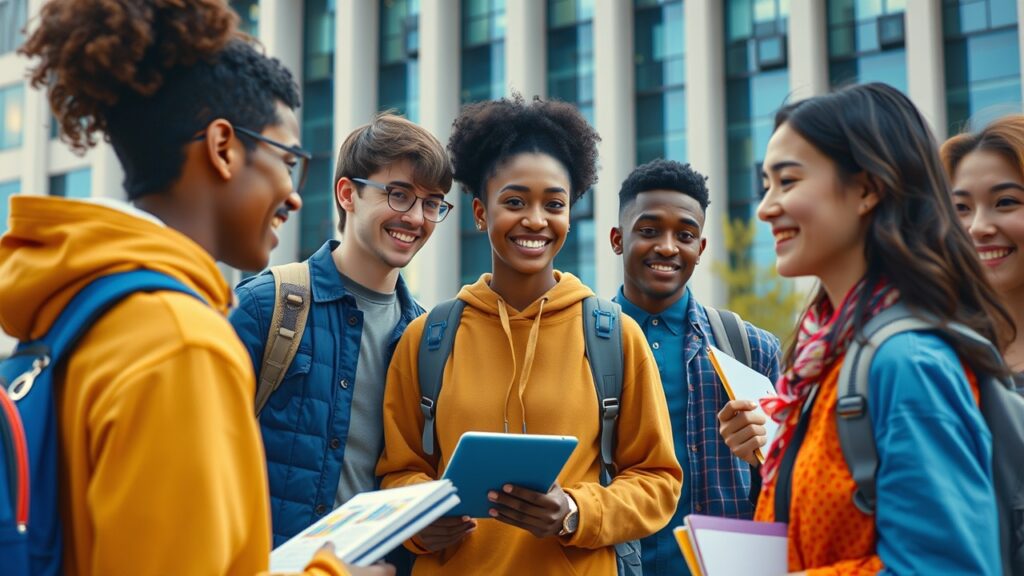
x: 692, y: 80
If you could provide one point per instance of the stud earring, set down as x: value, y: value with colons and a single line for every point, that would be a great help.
x: 479, y: 225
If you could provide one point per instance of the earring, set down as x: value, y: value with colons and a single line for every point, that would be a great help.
x: 479, y: 225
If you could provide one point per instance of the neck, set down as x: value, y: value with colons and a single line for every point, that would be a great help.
x: 649, y: 303
x: 842, y: 277
x: 521, y: 290
x: 183, y: 217
x: 365, y: 269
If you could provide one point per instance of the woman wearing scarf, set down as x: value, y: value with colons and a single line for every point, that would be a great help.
x: 856, y: 196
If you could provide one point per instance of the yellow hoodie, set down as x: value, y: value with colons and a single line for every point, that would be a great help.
x: 529, y: 368
x: 162, y: 464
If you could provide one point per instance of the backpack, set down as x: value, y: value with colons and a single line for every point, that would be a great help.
x: 1001, y: 407
x: 288, y: 322
x: 31, y: 540
x: 603, y: 343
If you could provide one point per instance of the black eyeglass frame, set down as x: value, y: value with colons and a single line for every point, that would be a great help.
x: 303, y: 156
x: 446, y: 205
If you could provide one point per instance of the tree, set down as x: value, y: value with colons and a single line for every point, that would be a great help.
x: 757, y: 293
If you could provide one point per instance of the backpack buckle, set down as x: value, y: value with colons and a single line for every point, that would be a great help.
x: 604, y: 322
x: 435, y: 333
x: 610, y: 408
x: 427, y: 406
x: 22, y: 385
x: 852, y: 406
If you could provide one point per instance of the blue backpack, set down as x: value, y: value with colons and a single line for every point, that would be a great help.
x: 31, y: 541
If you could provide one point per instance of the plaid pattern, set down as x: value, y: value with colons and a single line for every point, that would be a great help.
x: 720, y: 482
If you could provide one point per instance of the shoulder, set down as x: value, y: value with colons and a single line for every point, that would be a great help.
x: 256, y: 290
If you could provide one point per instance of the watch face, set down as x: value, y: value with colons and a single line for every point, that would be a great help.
x: 572, y: 521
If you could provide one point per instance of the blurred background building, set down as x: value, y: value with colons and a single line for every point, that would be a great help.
x: 691, y: 80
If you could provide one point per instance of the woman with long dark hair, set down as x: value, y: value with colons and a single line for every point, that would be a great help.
x: 856, y: 196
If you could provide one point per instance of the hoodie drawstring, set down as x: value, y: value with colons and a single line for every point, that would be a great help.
x: 531, y: 350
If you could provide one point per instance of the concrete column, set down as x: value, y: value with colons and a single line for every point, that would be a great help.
x: 356, y: 69
x: 526, y: 47
x: 808, y: 49
x: 35, y: 144
x: 705, y: 133
x: 433, y: 274
x: 281, y: 32
x: 926, y: 73
x: 107, y: 174
x: 1020, y: 41
x: 614, y: 90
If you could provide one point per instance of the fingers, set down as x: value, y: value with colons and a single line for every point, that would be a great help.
x: 537, y: 513
x: 445, y: 532
x: 734, y: 407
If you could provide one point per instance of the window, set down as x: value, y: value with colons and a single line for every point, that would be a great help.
x: 7, y: 189
x: 316, y: 220
x: 248, y: 16
x: 866, y: 42
x: 399, y: 57
x: 12, y: 116
x: 660, y: 56
x: 13, y: 14
x: 74, y: 184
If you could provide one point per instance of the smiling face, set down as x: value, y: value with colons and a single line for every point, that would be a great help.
x: 376, y: 230
x: 260, y: 199
x: 526, y: 212
x: 659, y: 238
x: 988, y: 192
x: 818, y: 218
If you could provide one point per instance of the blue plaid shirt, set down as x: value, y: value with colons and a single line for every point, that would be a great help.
x: 715, y: 482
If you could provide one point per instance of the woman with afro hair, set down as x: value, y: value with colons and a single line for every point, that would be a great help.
x: 161, y: 464
x: 518, y: 365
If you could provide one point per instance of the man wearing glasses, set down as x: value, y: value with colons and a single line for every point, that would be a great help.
x: 322, y: 426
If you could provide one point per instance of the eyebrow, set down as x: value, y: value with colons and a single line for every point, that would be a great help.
x: 780, y: 165
x: 1006, y: 186
x: 521, y: 188
x: 648, y: 216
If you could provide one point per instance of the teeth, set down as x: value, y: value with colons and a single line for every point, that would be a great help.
x: 662, y: 267
x: 784, y: 235
x: 531, y: 243
x: 402, y: 237
x: 995, y: 254
x: 276, y: 222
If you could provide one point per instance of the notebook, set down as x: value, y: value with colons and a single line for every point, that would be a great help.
x: 743, y: 383
x: 726, y: 546
x: 368, y: 526
x: 485, y: 461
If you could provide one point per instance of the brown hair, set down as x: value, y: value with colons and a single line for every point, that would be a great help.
x: 1004, y: 136
x: 390, y: 138
x: 913, y: 239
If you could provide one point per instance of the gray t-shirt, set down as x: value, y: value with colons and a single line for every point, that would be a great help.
x: 381, y: 313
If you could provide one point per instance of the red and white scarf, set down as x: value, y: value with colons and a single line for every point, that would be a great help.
x: 817, y: 351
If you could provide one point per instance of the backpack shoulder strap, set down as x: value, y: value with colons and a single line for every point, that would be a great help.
x: 856, y: 436
x: 602, y: 333
x: 730, y: 334
x: 291, y: 310
x: 435, y: 347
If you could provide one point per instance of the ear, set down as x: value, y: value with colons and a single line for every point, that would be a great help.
x: 344, y: 191
x: 479, y: 212
x: 616, y: 239
x: 870, y: 193
x: 703, y: 246
x: 220, y: 148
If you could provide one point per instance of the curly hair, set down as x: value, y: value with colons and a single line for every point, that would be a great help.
x: 664, y: 175
x: 487, y: 134
x: 149, y: 74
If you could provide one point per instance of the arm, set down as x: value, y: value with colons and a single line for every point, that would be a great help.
x: 643, y: 496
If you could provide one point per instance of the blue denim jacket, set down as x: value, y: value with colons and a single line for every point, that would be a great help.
x: 305, y: 423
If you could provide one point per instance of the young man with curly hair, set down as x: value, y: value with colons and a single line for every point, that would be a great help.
x: 518, y: 365
x: 662, y: 209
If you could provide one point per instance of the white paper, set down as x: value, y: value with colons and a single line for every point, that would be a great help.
x: 748, y: 384
x: 735, y: 553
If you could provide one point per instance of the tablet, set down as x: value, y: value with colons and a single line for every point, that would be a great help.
x: 485, y: 461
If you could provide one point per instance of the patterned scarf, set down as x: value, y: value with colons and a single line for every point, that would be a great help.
x: 824, y: 336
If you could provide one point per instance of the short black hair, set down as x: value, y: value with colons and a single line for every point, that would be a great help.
x: 663, y: 174
x: 487, y: 134
x: 150, y: 74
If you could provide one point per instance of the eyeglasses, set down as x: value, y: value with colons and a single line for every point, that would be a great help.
x: 298, y: 171
x: 402, y: 199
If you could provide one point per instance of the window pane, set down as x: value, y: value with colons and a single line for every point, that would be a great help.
x: 74, y: 184
x: 7, y: 189
x: 12, y: 120
x: 316, y: 221
x: 1004, y: 12
x: 12, y: 19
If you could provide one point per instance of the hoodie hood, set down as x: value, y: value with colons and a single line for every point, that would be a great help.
x: 54, y: 247
x: 561, y: 299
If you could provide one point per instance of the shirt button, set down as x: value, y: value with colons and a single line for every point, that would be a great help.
x: 656, y: 346
x: 693, y: 448
x: 352, y: 320
x: 654, y: 322
x: 335, y: 443
x: 697, y: 507
x: 344, y: 383
x: 320, y: 509
x: 690, y: 387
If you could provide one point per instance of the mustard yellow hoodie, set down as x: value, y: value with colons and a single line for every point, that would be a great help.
x: 162, y: 462
x: 534, y: 375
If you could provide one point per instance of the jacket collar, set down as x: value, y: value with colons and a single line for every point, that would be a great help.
x: 327, y: 284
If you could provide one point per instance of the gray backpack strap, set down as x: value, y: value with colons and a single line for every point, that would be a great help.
x: 602, y: 334
x: 291, y: 310
x: 730, y: 334
x: 856, y: 435
x: 435, y: 347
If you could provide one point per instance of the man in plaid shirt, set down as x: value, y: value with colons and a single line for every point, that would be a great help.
x: 662, y: 208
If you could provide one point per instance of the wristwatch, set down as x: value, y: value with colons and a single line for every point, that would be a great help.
x: 572, y: 519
